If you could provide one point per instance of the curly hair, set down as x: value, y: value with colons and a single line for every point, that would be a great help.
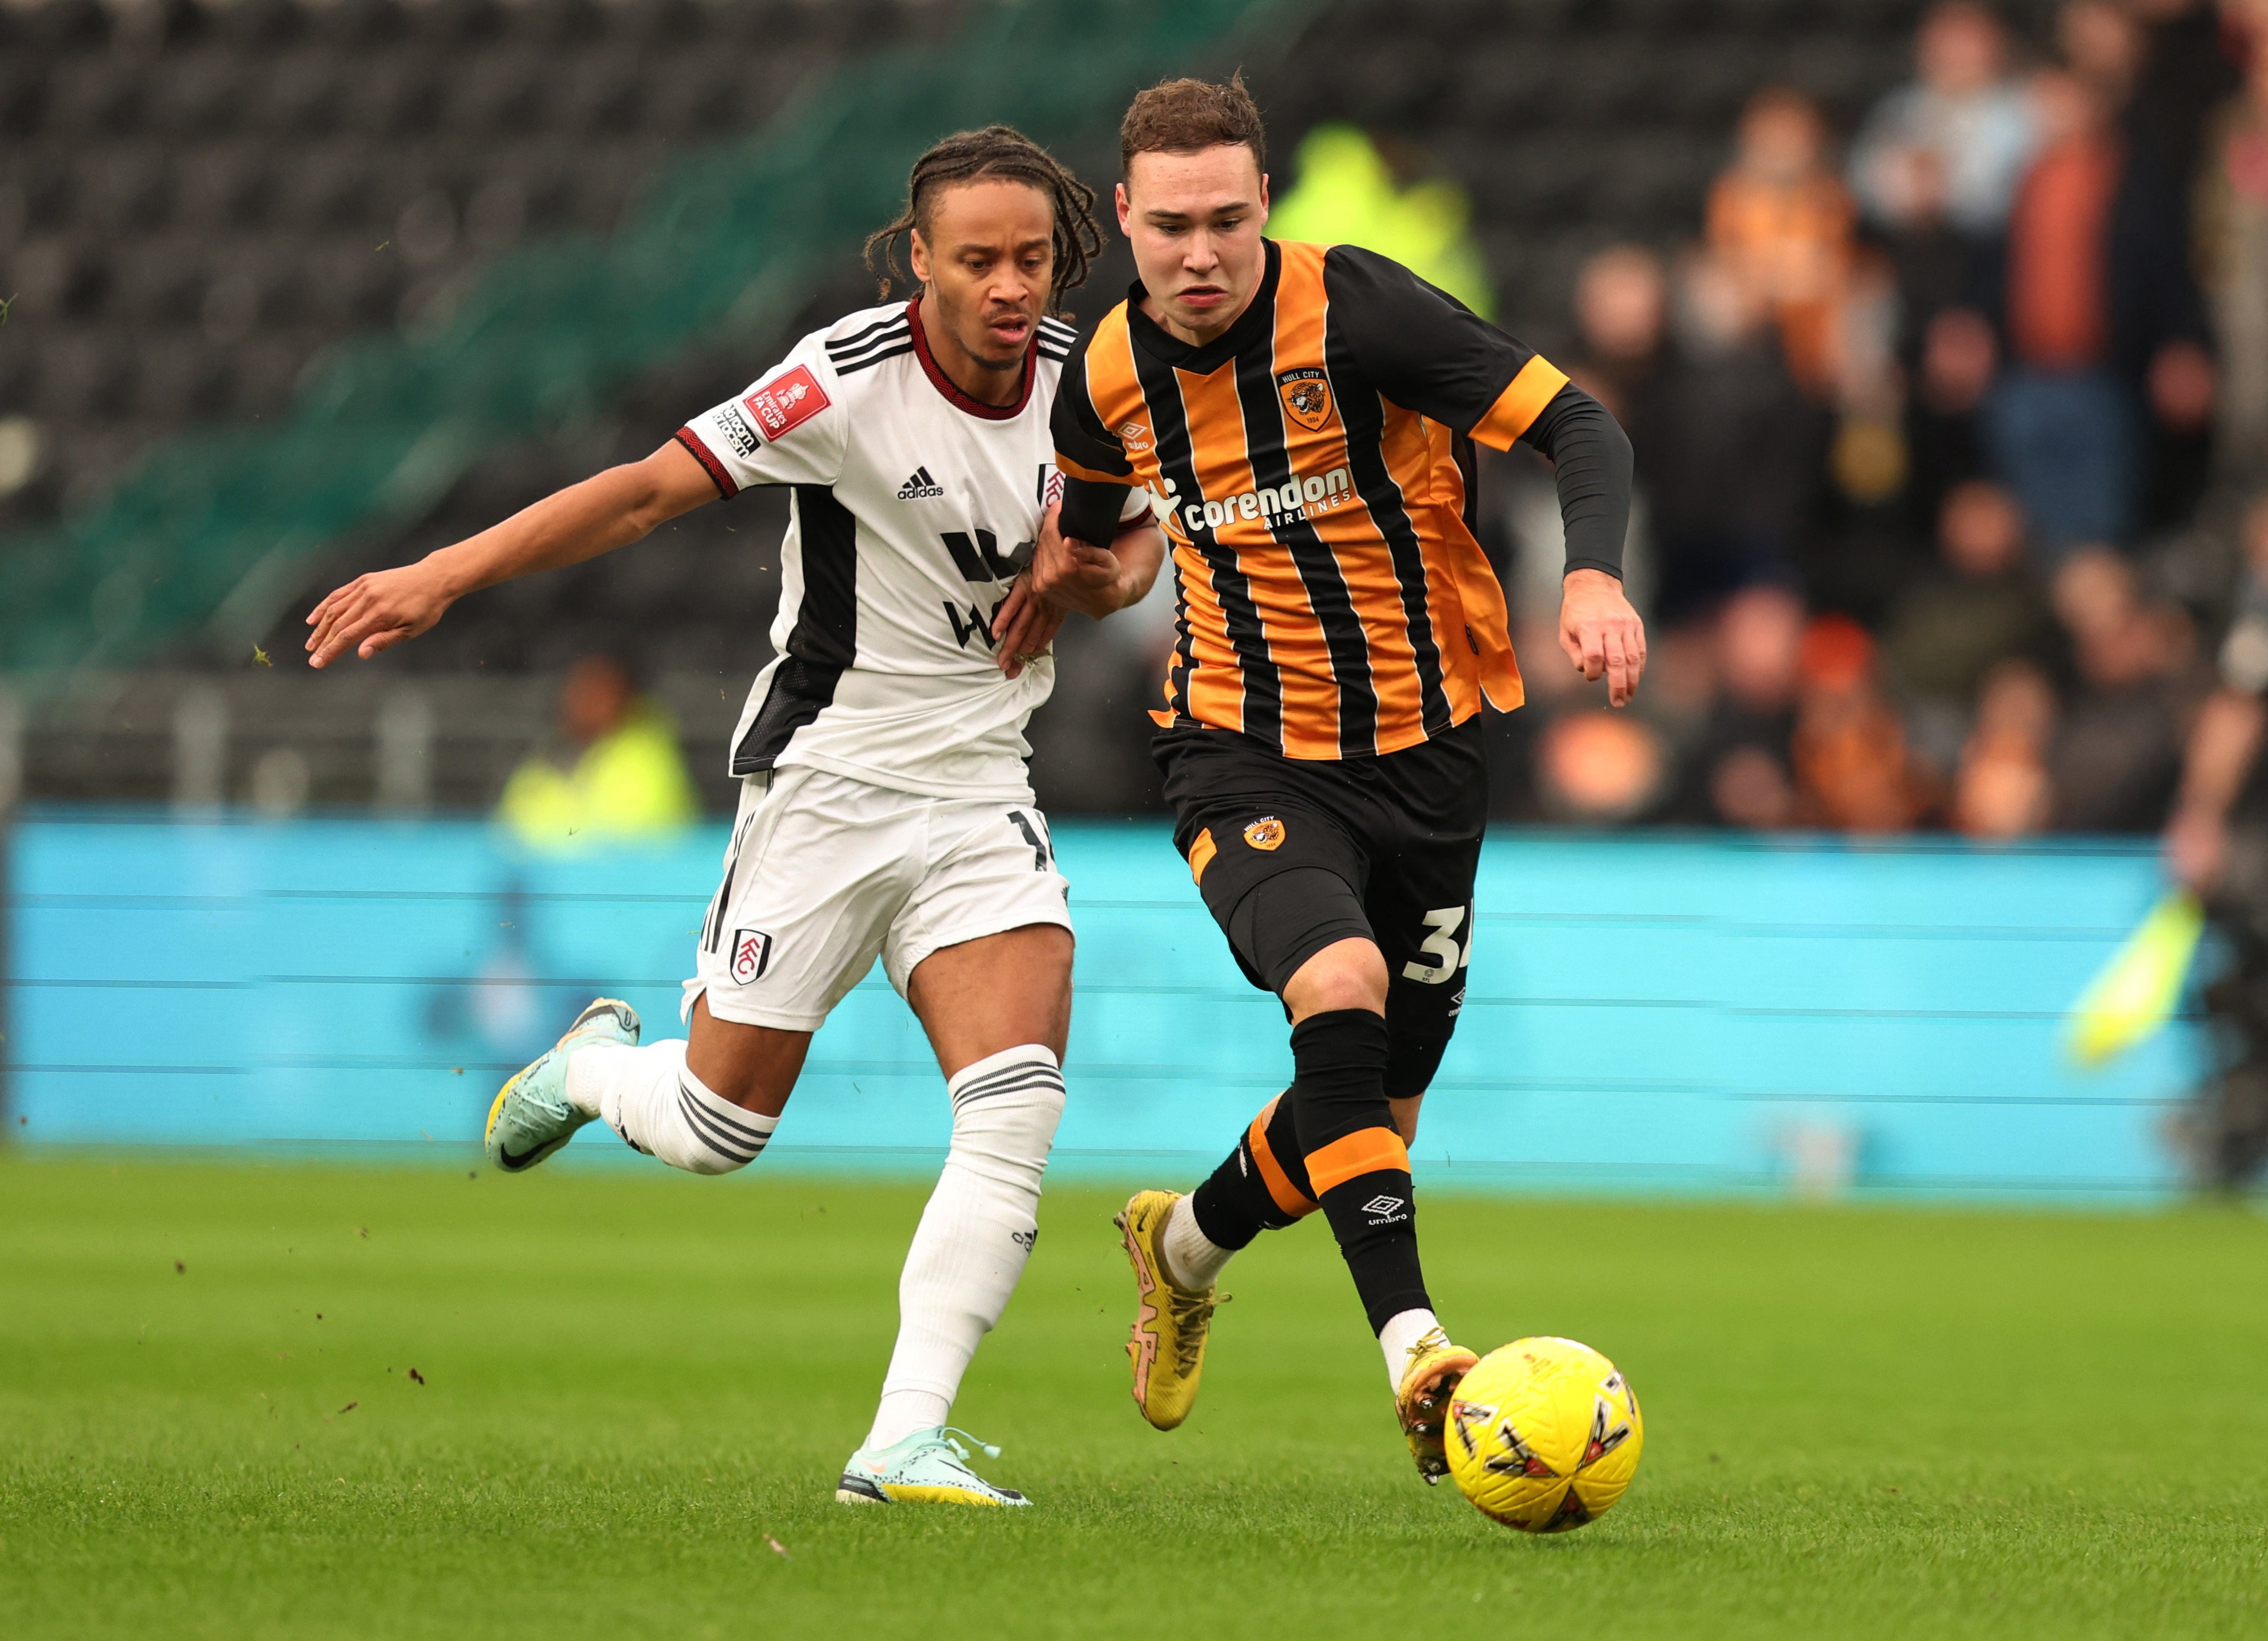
x: 997, y: 150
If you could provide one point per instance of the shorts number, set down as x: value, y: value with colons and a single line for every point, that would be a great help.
x: 1441, y: 945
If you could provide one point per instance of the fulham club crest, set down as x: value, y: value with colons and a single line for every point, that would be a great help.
x: 1306, y: 397
x: 752, y: 952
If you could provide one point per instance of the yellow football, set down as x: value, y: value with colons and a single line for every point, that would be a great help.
x: 1543, y: 1435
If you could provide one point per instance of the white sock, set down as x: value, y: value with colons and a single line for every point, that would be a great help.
x: 1402, y: 1329
x: 1193, y: 1260
x: 649, y: 1097
x: 975, y: 1235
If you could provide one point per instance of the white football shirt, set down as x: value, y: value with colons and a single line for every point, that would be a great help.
x: 913, y: 503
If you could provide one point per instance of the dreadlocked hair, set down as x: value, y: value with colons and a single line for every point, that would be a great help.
x: 997, y: 150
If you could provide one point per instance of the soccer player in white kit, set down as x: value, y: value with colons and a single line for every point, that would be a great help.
x: 885, y: 807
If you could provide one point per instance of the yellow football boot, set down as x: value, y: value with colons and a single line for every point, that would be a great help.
x: 1170, y: 1325
x: 1436, y: 1368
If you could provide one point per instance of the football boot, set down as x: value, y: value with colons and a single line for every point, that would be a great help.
x: 532, y: 1116
x: 1435, y: 1370
x: 930, y: 1466
x: 1171, y: 1322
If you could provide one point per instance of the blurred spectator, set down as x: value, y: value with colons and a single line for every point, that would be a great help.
x: 1956, y: 360
x: 1596, y: 767
x: 1782, y: 222
x: 2233, y: 255
x: 1740, y: 770
x: 1853, y: 771
x: 2216, y: 845
x: 1729, y: 468
x: 2188, y: 69
x: 1953, y: 142
x: 1621, y: 305
x: 1982, y: 605
x: 1348, y: 193
x: 615, y: 772
x: 2099, y: 307
x: 2116, y: 758
x: 2003, y: 788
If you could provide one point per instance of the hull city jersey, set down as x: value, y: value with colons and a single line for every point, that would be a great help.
x: 1310, y: 466
x: 913, y: 506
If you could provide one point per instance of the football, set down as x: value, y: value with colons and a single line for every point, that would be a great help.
x: 1543, y: 1435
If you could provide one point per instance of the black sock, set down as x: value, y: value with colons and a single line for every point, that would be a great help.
x: 1261, y: 1185
x: 1357, y: 1165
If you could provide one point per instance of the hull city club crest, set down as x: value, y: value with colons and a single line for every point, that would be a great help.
x: 1306, y: 397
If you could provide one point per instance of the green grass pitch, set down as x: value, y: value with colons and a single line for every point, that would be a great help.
x: 1860, y: 1421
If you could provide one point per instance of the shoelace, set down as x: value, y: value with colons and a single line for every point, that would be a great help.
x: 1192, y: 1314
x: 950, y: 1436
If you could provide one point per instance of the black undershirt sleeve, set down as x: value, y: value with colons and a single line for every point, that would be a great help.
x: 1590, y: 457
x: 1091, y: 511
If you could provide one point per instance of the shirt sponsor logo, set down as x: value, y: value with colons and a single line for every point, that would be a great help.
x: 787, y: 402
x: 1307, y: 396
x: 737, y: 433
x: 1265, y: 833
x: 752, y: 954
x: 1295, y: 498
x: 1135, y: 437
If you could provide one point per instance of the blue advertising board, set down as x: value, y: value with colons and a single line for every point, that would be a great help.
x: 1644, y: 1012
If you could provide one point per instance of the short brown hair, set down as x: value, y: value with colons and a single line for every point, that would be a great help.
x: 1182, y: 116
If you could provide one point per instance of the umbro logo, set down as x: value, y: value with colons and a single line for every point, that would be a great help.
x: 1386, y: 1211
x: 921, y: 487
x: 1382, y: 1204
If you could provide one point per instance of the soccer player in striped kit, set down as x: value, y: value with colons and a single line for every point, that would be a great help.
x: 1302, y: 417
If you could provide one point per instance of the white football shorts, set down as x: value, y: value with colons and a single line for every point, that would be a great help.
x: 825, y: 872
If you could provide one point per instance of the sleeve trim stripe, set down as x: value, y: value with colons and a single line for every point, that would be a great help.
x: 898, y: 334
x: 852, y: 342
x: 718, y: 476
x: 1092, y: 476
x: 1516, y: 409
x: 900, y: 351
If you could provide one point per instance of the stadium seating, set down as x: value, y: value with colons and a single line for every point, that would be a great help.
x: 195, y: 204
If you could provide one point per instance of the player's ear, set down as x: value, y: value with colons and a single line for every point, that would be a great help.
x: 1125, y: 212
x: 1263, y: 199
x: 917, y: 255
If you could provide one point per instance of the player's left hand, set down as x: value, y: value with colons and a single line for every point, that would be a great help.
x: 1023, y: 628
x: 1601, y: 632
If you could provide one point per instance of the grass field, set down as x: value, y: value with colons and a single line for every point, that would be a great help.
x: 1877, y: 1422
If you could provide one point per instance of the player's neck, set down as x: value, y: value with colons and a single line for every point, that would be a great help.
x: 986, y: 384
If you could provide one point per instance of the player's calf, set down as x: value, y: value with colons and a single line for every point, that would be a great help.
x: 974, y: 1236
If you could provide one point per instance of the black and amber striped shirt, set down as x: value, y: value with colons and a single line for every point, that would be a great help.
x: 1312, y: 471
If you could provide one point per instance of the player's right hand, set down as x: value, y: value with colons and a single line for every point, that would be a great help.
x: 375, y: 612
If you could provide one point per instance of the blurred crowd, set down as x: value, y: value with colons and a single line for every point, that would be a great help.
x: 1952, y: 444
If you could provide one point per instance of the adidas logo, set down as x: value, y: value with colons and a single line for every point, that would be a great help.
x: 921, y: 487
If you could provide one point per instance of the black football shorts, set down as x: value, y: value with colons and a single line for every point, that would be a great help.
x: 1293, y: 855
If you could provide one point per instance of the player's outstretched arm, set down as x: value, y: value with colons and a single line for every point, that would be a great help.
x: 606, y: 510
x: 1601, y: 633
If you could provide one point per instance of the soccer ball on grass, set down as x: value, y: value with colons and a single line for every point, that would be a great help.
x: 1543, y: 1435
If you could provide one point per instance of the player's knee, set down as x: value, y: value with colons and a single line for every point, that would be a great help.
x: 1006, y: 1110
x: 1346, y: 975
